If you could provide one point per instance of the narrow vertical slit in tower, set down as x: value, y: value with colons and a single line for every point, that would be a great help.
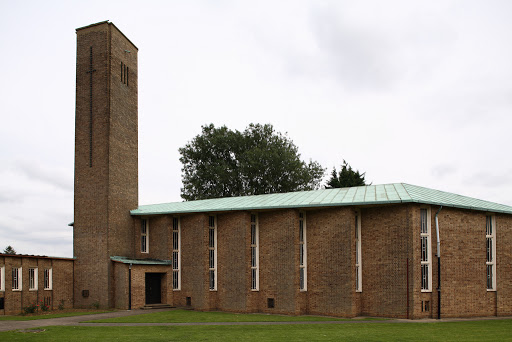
x: 91, y: 70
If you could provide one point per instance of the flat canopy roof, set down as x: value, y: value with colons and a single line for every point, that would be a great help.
x: 126, y: 260
x: 361, y: 195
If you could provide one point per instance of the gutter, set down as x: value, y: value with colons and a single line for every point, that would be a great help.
x: 438, y: 266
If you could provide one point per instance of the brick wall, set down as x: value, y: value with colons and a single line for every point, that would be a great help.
x: 90, y: 233
x: 106, y: 191
x: 390, y: 259
x: 122, y: 144
x: 62, y: 284
x: 331, y: 282
x: 139, y: 284
x: 385, y: 238
x: 463, y: 273
x: 463, y: 269
x: 422, y: 304
x: 160, y: 237
x: 121, y: 285
x: 331, y: 260
x: 504, y: 264
x: 278, y: 262
x: 194, y: 262
x: 279, y: 268
x: 234, y: 263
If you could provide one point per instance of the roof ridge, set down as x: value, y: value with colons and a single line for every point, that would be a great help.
x: 405, y: 188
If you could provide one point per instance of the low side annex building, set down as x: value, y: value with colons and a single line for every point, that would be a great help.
x: 369, y: 250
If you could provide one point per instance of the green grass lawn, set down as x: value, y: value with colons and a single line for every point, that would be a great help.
x: 44, y: 316
x: 184, y: 316
x: 495, y: 330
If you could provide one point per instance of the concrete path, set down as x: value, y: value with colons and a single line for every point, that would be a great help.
x: 75, y: 321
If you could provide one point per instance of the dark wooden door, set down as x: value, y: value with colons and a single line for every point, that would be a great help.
x: 153, y: 288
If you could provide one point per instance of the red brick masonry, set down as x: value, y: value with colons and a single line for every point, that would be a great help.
x: 61, y: 287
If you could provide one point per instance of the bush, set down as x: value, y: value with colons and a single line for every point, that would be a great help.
x: 96, y: 305
x: 30, y: 309
x: 44, y: 307
x: 61, y: 305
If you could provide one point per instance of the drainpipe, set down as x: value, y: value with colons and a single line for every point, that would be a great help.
x: 407, y: 284
x: 130, y: 287
x: 438, y: 266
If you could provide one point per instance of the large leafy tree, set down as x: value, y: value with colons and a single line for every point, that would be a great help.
x: 9, y: 250
x: 221, y: 162
x: 347, y: 177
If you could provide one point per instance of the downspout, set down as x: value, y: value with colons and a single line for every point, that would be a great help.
x: 130, y: 287
x: 407, y: 285
x: 438, y: 266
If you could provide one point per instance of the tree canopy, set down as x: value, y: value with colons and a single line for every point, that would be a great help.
x: 221, y: 162
x: 9, y: 250
x: 347, y: 177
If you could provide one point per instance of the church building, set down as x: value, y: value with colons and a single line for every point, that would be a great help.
x: 392, y: 250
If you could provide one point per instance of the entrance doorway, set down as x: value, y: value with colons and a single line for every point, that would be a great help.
x: 153, y: 288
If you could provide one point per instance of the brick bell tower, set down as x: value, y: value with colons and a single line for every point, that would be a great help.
x: 106, y: 166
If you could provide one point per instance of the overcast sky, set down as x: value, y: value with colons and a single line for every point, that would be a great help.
x: 418, y: 92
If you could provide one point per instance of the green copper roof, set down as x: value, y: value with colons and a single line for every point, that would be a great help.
x: 126, y: 260
x: 361, y: 195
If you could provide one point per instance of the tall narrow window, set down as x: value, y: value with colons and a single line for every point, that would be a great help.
x: 303, y: 257
x: 32, y: 279
x: 176, y: 255
x: 490, y: 263
x: 212, y: 251
x: 48, y: 275
x: 359, y: 275
x: 144, y: 236
x: 125, y: 71
x: 426, y: 259
x: 16, y: 279
x: 2, y: 278
x: 255, y: 253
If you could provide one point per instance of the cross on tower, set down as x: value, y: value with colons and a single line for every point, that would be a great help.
x: 90, y: 71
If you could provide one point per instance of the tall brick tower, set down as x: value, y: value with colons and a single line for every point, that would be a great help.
x: 106, y: 166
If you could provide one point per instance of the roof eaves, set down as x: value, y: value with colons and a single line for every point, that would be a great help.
x: 459, y: 206
x: 393, y: 193
x: 273, y: 207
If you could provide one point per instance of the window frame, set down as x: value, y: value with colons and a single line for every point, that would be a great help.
x: 2, y: 278
x: 428, y: 252
x: 303, y: 252
x: 176, y: 248
x: 48, y: 279
x: 18, y: 279
x: 359, y: 256
x: 490, y: 218
x: 255, y: 252
x: 212, y: 251
x: 144, y: 235
x: 33, y: 279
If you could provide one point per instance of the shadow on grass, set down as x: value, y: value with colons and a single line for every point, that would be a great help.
x: 189, y: 316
